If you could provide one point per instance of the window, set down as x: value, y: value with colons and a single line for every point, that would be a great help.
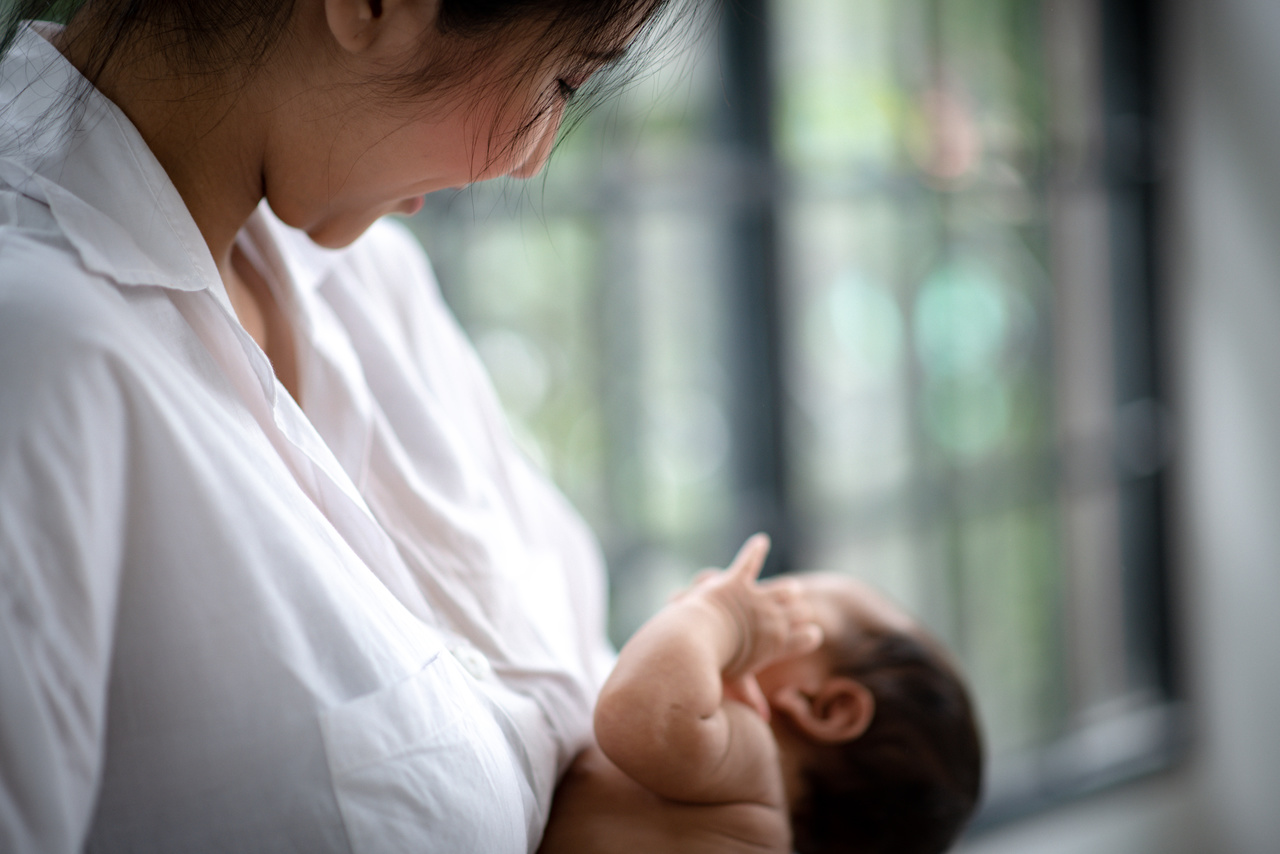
x: 873, y: 276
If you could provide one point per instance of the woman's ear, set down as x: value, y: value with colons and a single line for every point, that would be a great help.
x: 361, y: 26
x: 840, y: 710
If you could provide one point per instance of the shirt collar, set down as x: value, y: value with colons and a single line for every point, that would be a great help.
x: 66, y: 145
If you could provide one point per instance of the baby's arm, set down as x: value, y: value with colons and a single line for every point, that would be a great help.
x: 663, y: 716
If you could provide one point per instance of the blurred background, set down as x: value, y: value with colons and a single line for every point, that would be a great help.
x: 975, y: 299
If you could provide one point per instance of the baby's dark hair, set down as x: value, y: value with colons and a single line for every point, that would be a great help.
x: 909, y: 784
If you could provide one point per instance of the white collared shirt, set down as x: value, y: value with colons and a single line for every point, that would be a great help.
x: 228, y: 622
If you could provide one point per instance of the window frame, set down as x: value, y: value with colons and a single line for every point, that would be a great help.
x: 1105, y: 205
x: 1128, y: 744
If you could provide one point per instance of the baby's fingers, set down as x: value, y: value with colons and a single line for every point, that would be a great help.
x: 796, y: 631
x: 787, y: 595
x: 749, y: 560
x: 804, y: 638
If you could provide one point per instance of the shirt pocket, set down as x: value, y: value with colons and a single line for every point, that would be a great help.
x: 422, y: 766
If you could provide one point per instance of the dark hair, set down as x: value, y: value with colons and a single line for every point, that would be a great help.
x: 243, y: 31
x: 909, y: 784
x: 206, y: 38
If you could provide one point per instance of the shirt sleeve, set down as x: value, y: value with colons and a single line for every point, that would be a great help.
x: 63, y: 471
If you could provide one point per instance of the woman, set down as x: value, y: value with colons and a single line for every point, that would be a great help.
x: 272, y: 576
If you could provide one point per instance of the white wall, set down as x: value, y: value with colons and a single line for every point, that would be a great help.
x: 1223, y: 278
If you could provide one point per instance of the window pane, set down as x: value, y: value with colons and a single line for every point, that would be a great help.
x: 944, y: 304
x: 593, y: 295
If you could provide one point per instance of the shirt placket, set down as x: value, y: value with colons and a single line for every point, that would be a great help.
x: 305, y: 455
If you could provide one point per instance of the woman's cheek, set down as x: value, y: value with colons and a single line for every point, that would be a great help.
x: 544, y: 139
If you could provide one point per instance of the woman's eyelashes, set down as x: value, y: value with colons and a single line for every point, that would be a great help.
x: 568, y: 85
x: 566, y: 89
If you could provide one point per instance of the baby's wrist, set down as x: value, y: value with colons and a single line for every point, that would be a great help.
x: 727, y: 626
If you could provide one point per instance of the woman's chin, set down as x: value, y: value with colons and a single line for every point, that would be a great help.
x: 337, y: 230
x: 329, y: 236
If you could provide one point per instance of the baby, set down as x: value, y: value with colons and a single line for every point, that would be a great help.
x: 806, y: 713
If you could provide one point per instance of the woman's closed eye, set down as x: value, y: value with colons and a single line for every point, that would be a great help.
x: 575, y: 78
x: 566, y: 89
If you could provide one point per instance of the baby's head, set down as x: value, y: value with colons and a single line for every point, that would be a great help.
x: 876, y: 730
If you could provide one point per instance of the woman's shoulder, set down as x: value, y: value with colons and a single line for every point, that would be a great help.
x: 65, y: 332
x: 49, y: 300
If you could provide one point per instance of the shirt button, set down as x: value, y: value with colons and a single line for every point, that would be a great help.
x: 473, y: 661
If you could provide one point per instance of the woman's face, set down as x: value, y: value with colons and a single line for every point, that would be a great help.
x: 344, y: 153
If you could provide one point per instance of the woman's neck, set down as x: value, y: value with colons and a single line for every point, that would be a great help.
x: 208, y: 131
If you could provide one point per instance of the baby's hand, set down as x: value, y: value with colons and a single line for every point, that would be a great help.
x: 772, y: 621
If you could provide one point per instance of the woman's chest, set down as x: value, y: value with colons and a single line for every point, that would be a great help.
x: 268, y: 689
x: 599, y: 810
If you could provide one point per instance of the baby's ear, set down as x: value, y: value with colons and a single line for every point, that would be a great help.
x: 840, y: 711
